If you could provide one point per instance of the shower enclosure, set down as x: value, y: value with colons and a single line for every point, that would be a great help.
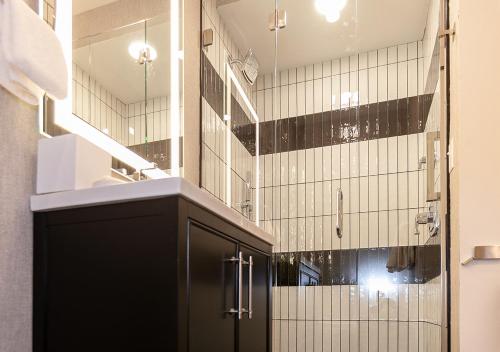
x: 336, y: 150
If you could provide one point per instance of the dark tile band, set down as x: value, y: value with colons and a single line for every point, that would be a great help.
x: 395, y: 265
x: 391, y: 118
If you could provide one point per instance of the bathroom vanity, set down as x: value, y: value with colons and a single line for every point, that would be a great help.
x: 148, y: 266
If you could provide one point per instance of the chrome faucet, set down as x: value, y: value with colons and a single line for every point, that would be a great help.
x: 430, y: 218
x: 246, y: 205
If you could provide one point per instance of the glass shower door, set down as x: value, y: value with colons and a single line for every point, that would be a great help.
x: 358, y: 94
x: 349, y: 100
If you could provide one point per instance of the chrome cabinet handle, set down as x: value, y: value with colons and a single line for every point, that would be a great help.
x: 240, y: 285
x: 239, y: 310
x: 340, y: 213
x: 431, y: 137
x: 250, y: 287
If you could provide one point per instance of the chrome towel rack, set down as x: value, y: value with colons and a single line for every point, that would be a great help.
x: 484, y: 253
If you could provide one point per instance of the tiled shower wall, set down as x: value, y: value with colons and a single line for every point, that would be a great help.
x: 214, y: 158
x: 129, y: 123
x: 356, y: 123
x: 98, y: 106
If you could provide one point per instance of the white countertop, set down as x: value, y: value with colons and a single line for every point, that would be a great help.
x: 145, y: 190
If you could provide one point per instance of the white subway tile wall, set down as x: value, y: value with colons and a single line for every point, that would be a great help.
x: 125, y: 122
x: 98, y: 106
x: 384, y: 189
x: 383, y: 184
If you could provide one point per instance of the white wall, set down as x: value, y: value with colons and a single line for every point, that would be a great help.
x: 475, y: 193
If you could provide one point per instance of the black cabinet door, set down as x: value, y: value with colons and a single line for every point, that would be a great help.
x: 255, y: 334
x: 212, y: 287
x: 105, y: 287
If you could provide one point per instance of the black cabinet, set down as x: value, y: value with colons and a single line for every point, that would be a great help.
x: 154, y: 275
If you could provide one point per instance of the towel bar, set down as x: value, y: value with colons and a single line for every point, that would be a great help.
x: 484, y: 253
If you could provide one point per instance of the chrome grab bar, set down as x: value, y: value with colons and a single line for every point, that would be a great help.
x: 431, y: 158
x: 484, y: 253
x: 340, y: 213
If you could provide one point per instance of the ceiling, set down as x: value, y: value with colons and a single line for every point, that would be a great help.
x: 308, y: 38
x: 107, y: 60
x: 80, y: 6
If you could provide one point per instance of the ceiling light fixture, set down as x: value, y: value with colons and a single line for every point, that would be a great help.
x: 142, y: 52
x: 330, y: 8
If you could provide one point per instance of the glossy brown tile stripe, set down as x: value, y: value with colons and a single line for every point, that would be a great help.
x: 397, y: 265
x: 365, y: 122
x: 157, y: 152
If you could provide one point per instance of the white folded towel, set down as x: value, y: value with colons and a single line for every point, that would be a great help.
x: 32, y: 51
x: 17, y: 83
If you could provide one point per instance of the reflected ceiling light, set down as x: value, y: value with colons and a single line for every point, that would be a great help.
x: 142, y: 52
x: 330, y: 8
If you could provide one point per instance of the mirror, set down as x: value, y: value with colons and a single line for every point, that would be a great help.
x: 121, y: 60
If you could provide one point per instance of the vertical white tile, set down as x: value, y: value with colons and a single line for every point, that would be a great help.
x: 318, y: 164
x: 292, y: 100
x: 344, y: 161
x: 354, y: 159
x: 309, y: 97
x: 327, y: 68
x: 309, y: 165
x: 336, y: 92
x: 392, y: 82
x: 301, y: 99
x: 318, y: 95
x: 327, y: 94
x: 373, y: 193
x: 335, y: 66
x: 402, y: 190
x: 412, y: 78
x: 364, y: 157
x: 413, y: 152
x: 402, y: 52
x: 382, y: 156
x: 393, y: 228
x: 392, y: 54
x: 372, y: 59
x: 372, y: 85
x: 344, y: 64
x: 310, y: 235
x: 301, y: 166
x: 392, y: 154
x: 363, y: 87
x: 402, y: 79
x: 363, y: 61
x: 309, y: 72
x: 382, y: 75
x: 363, y: 195
x: 402, y: 150
x: 403, y: 227
x: 413, y: 189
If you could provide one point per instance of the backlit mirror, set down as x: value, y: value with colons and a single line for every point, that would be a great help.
x: 126, y: 85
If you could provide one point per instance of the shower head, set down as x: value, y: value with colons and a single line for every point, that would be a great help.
x: 249, y: 66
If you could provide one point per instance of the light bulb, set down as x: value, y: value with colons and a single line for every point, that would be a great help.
x: 333, y: 17
x: 330, y: 8
x: 141, y: 52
